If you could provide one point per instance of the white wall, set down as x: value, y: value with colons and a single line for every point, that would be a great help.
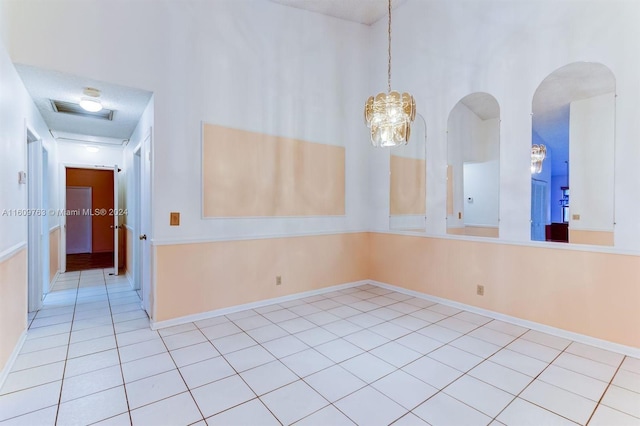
x: 445, y: 50
x: 264, y: 67
x: 591, y: 156
x: 250, y: 64
x: 17, y: 111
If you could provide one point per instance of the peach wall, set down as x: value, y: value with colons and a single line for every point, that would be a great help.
x: 13, y: 302
x: 101, y: 182
x: 201, y: 277
x: 591, y: 293
x: 54, y: 259
x: 598, y: 238
x: 475, y: 231
x: 407, y: 188
x: 254, y: 174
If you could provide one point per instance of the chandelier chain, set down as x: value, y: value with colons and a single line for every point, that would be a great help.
x: 389, y: 50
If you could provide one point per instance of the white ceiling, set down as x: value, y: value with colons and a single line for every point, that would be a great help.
x: 46, y: 85
x: 362, y: 11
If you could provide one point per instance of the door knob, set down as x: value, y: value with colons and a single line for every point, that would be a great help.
x: 143, y: 237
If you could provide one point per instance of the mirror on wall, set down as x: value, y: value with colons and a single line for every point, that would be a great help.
x: 407, y: 174
x: 473, y: 166
x: 573, y: 124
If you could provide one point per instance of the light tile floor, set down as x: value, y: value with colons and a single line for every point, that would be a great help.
x: 363, y: 355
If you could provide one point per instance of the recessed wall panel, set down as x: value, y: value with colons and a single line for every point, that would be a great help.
x: 249, y: 174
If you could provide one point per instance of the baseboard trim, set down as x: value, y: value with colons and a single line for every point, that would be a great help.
x: 53, y: 280
x: 155, y: 325
x: 576, y: 337
x: 12, y: 359
x: 129, y: 277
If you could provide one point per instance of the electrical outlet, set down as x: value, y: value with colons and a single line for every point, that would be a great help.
x: 459, y: 215
x: 575, y: 216
x: 480, y: 290
x: 278, y: 280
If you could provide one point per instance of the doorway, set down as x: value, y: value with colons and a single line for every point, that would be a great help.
x: 38, y: 221
x: 91, y: 218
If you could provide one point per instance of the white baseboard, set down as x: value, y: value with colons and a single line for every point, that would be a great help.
x: 155, y: 325
x: 12, y: 359
x: 576, y: 337
x: 129, y: 277
x: 53, y: 280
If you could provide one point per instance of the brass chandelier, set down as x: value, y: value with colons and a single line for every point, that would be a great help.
x: 538, y: 154
x: 389, y: 115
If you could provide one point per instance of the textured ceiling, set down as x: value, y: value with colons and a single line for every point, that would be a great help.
x: 45, y: 85
x: 363, y: 11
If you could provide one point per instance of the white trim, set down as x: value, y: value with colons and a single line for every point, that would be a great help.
x: 129, y: 277
x: 12, y: 358
x: 493, y: 240
x: 176, y: 241
x: 155, y: 325
x: 576, y: 337
x: 576, y: 228
x: 53, y: 228
x: 53, y: 280
x: 12, y: 251
x: 480, y: 225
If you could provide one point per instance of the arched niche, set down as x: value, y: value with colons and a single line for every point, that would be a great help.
x: 473, y: 166
x: 407, y: 187
x: 573, y: 118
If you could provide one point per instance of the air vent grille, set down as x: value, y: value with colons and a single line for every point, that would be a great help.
x: 75, y: 109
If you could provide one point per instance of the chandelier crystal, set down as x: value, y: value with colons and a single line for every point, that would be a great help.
x: 389, y: 115
x: 538, y: 154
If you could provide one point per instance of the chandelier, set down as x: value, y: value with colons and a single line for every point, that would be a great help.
x: 538, y: 154
x: 389, y: 115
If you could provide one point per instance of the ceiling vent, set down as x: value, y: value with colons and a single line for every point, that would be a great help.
x: 77, y: 110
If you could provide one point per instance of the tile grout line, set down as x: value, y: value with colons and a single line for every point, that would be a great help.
x: 64, y: 369
x: 599, y: 402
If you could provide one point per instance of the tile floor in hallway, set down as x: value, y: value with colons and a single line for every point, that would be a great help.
x: 363, y: 355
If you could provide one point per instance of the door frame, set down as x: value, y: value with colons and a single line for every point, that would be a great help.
x: 63, y: 203
x: 143, y: 223
x: 37, y: 222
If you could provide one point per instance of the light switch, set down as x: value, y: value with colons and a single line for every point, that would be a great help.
x: 174, y: 219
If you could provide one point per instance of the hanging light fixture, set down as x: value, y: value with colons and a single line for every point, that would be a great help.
x: 538, y: 154
x: 389, y: 115
x: 91, y: 101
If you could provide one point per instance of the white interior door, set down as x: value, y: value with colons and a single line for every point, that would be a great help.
x: 145, y: 225
x: 116, y: 221
x: 79, y: 236
x: 538, y: 210
x: 136, y: 243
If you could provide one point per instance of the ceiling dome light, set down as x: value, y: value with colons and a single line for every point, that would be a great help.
x: 92, y: 148
x: 91, y: 105
x: 91, y: 102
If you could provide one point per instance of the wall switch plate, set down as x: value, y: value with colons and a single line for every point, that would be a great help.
x: 22, y: 178
x: 174, y: 219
